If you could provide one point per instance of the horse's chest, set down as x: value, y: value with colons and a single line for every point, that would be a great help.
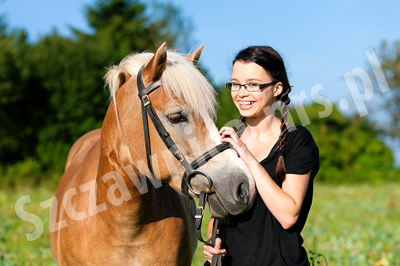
x: 166, y: 238
x: 166, y: 243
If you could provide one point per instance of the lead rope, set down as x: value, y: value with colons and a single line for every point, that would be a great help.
x: 217, y: 258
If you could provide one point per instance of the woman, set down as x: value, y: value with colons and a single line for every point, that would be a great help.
x: 283, y: 160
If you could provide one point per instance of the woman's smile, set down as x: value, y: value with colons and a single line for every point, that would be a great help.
x: 246, y: 104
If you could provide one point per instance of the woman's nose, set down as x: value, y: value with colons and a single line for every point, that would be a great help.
x: 242, y: 91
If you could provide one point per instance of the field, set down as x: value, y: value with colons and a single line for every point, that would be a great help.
x: 348, y: 225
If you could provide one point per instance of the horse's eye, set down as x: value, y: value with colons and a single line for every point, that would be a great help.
x: 176, y: 118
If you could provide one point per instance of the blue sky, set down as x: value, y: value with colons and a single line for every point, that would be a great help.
x: 319, y: 40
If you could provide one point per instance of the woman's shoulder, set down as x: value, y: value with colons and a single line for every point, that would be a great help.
x: 298, y: 132
x: 301, y: 151
x: 299, y: 136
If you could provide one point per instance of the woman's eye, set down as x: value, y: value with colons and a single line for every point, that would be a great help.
x: 253, y: 85
x: 176, y: 118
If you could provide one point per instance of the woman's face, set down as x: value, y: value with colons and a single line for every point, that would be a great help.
x: 257, y: 103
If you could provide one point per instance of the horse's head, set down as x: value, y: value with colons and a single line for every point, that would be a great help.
x: 184, y: 102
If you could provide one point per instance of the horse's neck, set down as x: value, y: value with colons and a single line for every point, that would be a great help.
x: 128, y: 203
x: 143, y: 199
x: 118, y: 178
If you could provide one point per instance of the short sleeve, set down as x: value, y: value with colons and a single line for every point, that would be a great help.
x: 301, y: 152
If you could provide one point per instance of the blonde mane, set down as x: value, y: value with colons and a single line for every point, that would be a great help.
x: 180, y: 79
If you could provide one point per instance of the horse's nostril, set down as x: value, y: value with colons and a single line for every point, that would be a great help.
x: 241, y: 192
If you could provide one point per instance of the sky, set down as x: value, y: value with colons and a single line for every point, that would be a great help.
x: 320, y: 41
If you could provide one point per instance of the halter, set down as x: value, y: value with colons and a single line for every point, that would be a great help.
x: 190, y: 169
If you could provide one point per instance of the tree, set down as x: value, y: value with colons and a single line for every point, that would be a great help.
x: 17, y: 110
x: 52, y: 92
x: 350, y: 147
x: 390, y: 63
x: 70, y: 76
x: 125, y: 26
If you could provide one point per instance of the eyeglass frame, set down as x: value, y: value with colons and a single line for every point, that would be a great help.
x: 260, y: 86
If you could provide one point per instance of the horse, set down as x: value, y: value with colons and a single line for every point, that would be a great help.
x: 121, y: 201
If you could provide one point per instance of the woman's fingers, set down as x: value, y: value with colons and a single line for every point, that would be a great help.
x: 226, y: 129
x: 209, y: 251
x: 228, y: 132
x: 236, y: 142
x: 218, y: 243
x: 208, y: 255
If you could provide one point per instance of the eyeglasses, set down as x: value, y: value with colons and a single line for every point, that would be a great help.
x: 248, y: 86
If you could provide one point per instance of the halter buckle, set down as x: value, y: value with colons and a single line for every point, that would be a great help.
x: 146, y: 100
x: 178, y: 155
x: 199, y: 215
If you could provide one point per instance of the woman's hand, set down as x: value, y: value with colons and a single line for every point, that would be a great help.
x: 228, y: 134
x: 209, y: 251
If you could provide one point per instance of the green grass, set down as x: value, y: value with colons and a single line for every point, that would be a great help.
x: 355, y: 225
x: 14, y: 247
x: 349, y: 225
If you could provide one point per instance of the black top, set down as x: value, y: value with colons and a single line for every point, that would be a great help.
x: 256, y: 237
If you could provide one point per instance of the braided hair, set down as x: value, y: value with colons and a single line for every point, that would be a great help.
x: 272, y: 63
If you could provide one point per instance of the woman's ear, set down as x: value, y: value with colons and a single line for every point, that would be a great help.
x: 278, y: 88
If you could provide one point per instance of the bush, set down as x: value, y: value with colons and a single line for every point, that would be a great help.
x: 24, y: 173
x: 28, y: 173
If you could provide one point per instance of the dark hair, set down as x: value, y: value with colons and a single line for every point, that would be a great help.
x: 272, y: 63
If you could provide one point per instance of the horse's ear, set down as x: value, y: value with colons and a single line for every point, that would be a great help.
x: 156, y: 66
x: 194, y: 57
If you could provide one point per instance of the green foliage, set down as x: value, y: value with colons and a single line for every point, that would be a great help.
x: 16, y: 109
x: 51, y: 92
x: 124, y: 26
x: 15, y: 175
x: 70, y: 75
x: 3, y: 27
x: 350, y: 148
x: 390, y: 63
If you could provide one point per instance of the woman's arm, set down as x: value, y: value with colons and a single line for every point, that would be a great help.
x: 285, y: 204
x: 210, y: 227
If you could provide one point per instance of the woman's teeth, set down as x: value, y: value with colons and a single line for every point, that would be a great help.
x: 246, y: 103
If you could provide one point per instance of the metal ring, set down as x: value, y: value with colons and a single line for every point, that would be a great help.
x: 192, y: 175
